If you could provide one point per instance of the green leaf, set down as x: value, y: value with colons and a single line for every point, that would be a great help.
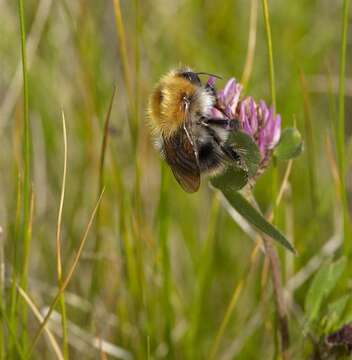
x: 233, y: 179
x: 254, y: 217
x: 290, y: 145
x: 323, y: 283
x: 316, y: 293
x: 248, y: 150
x: 347, y: 317
x: 333, y: 319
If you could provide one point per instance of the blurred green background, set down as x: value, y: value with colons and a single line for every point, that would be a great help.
x: 160, y: 266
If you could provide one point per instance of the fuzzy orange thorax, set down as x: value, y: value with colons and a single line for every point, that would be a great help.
x: 168, y: 104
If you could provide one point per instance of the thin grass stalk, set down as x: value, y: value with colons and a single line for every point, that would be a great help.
x: 275, y: 173
x: 341, y: 127
x: 137, y: 56
x: 58, y: 246
x: 270, y: 52
x: 163, y: 217
x: 122, y: 46
x: 233, y: 301
x: 282, y: 188
x: 97, y: 272
x: 29, y: 235
x: 15, y: 265
x: 26, y: 159
x: 135, y: 108
x: 38, y: 315
x: 290, y: 231
x: 333, y: 167
x: 252, y: 40
x: 24, y: 278
x: 226, y: 319
x: 26, y: 131
x: 138, y: 203
x: 67, y: 279
x: 120, y: 28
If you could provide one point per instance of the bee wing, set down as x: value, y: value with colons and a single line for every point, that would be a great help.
x: 182, y: 158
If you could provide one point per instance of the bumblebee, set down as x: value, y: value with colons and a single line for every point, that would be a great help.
x: 191, y: 140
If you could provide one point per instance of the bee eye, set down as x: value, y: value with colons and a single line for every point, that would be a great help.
x: 191, y: 77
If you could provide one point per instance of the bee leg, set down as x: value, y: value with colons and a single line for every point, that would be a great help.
x: 228, y: 124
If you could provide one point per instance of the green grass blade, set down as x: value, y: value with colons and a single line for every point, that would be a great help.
x: 12, y: 334
x: 323, y: 283
x: 67, y: 278
x: 58, y: 246
x: 341, y: 127
x: 270, y: 52
x: 15, y: 265
x: 252, y: 40
x: 234, y: 299
x: 26, y: 162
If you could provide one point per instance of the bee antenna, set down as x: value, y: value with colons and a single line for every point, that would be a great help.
x: 205, y: 73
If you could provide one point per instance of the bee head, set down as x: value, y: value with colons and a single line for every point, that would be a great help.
x: 172, y: 99
x: 178, y: 97
x: 189, y: 75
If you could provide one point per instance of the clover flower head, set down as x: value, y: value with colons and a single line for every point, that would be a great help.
x: 256, y: 119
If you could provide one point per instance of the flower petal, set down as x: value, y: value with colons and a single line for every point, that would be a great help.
x: 256, y: 119
x: 236, y: 98
x: 229, y: 91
